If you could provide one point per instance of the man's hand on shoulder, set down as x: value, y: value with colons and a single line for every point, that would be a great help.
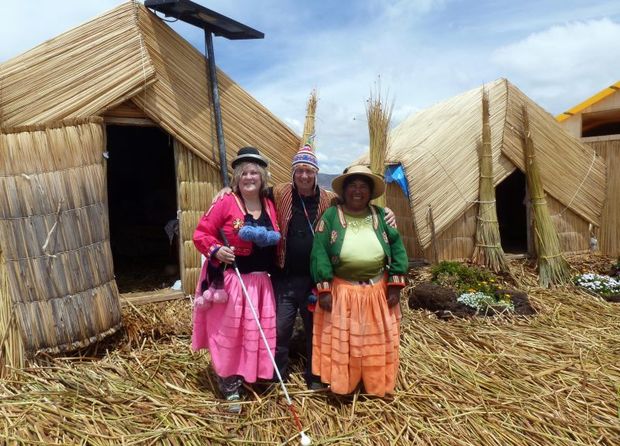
x: 221, y: 193
x: 390, y: 218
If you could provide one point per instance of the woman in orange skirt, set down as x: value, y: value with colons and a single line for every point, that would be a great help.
x: 359, y: 263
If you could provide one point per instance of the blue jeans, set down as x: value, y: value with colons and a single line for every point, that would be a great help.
x: 292, y: 296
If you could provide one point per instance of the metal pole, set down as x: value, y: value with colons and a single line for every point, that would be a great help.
x: 216, y: 106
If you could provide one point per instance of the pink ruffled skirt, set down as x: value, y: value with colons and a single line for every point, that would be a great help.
x: 230, y: 333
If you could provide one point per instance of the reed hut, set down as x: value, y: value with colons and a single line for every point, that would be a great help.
x: 435, y: 153
x: 108, y: 158
x: 596, y: 122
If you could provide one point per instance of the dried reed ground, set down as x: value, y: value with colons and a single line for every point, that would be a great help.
x: 550, y: 379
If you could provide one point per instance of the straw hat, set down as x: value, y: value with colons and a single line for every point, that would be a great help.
x: 249, y: 155
x: 377, y: 180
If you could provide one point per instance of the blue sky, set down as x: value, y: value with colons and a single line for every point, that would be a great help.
x: 423, y: 51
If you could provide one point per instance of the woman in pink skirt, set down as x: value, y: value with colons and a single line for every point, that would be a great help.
x: 223, y: 321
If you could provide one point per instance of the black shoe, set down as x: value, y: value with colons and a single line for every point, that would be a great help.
x: 317, y: 385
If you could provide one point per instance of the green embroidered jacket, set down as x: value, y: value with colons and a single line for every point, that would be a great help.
x: 328, y: 240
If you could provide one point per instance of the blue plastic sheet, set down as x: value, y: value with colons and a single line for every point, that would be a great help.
x: 396, y: 173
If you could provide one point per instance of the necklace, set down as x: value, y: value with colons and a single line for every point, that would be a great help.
x: 357, y: 223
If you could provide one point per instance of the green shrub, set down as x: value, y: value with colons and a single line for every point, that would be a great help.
x: 463, y: 278
x: 475, y: 287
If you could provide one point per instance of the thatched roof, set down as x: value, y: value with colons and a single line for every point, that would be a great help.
x: 438, y: 150
x: 130, y: 54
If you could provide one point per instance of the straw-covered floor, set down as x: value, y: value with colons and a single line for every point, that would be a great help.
x: 550, y: 379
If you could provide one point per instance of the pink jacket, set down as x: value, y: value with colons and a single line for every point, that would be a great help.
x: 227, y: 213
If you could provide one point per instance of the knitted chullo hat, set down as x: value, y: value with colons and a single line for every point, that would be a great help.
x: 306, y: 156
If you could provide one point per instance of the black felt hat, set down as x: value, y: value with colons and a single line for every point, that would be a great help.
x: 249, y: 155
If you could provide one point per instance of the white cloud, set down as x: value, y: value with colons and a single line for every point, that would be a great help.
x: 564, y: 64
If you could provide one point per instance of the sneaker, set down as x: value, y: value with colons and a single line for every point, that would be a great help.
x: 234, y: 400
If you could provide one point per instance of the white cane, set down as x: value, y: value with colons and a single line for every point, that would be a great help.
x: 305, y: 440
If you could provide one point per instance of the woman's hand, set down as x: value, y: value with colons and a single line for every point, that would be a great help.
x: 390, y: 217
x: 225, y: 254
x: 325, y: 301
x: 221, y: 193
x: 393, y: 296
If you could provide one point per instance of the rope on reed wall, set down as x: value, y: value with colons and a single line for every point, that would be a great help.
x: 580, y: 185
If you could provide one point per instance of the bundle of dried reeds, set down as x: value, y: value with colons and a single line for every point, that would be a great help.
x: 553, y: 269
x: 379, y: 114
x: 308, y: 134
x: 488, y: 250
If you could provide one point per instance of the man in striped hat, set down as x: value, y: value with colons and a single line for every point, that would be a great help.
x: 299, y: 205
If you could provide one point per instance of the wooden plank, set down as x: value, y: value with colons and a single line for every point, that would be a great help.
x: 136, y: 122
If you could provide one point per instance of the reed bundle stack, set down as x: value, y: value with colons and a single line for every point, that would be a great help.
x: 488, y: 250
x: 309, y: 133
x: 553, y: 269
x: 378, y: 114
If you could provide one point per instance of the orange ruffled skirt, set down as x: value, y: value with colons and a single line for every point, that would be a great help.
x: 358, y: 340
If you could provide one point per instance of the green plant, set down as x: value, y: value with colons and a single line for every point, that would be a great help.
x: 463, y: 278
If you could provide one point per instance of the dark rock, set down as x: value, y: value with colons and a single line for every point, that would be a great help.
x: 519, y: 300
x: 615, y: 298
x: 438, y: 299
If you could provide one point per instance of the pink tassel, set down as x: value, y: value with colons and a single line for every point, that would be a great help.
x: 220, y: 296
x: 204, y: 301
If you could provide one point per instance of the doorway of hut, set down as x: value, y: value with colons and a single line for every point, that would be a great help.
x: 142, y: 204
x: 512, y: 213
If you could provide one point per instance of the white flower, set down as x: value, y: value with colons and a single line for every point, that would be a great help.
x: 481, y: 301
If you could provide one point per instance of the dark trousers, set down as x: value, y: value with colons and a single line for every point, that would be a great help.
x: 292, y: 296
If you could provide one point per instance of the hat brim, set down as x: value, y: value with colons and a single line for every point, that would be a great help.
x: 378, y: 184
x: 249, y: 158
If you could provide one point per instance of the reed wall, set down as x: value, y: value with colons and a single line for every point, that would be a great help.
x: 197, y: 184
x: 399, y: 203
x: 55, y: 237
x: 458, y: 240
x: 12, y: 351
x: 573, y: 231
x: 609, y: 232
